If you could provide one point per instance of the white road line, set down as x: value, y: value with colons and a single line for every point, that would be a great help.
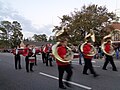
x: 96, y: 66
x: 93, y: 61
x: 83, y: 64
x: 75, y: 61
x: 73, y: 83
x: 83, y: 61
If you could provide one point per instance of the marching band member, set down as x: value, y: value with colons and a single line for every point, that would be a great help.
x: 109, y: 58
x: 46, y: 51
x: 80, y: 54
x: 28, y: 53
x: 43, y: 54
x: 34, y: 54
x: 49, y: 55
x: 88, y: 49
x: 63, y: 55
x: 87, y: 59
x: 63, y: 66
x: 17, y: 58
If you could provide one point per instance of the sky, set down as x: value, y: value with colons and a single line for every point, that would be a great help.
x: 39, y: 16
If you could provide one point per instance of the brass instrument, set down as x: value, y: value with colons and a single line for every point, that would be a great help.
x: 93, y: 50
x: 105, y: 40
x: 58, y: 33
x: 68, y: 56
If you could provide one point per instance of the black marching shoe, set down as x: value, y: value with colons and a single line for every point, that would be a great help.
x: 104, y: 68
x: 86, y: 73
x: 20, y: 68
x: 62, y: 87
x: 31, y: 70
x: 95, y: 75
x: 115, y: 70
x: 67, y: 84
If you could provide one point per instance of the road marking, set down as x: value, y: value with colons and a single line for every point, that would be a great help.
x: 93, y: 61
x: 83, y: 64
x: 83, y: 61
x: 73, y: 83
x: 96, y: 66
x: 75, y: 61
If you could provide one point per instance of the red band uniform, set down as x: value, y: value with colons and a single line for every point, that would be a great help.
x: 87, y: 59
x: 34, y: 51
x: 45, y: 50
x: 108, y: 57
x: 17, y: 58
x: 28, y: 53
x: 43, y: 53
x: 63, y: 67
x: 49, y: 56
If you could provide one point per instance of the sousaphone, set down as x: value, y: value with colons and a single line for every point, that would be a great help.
x: 105, y: 40
x: 68, y: 56
x: 92, y: 36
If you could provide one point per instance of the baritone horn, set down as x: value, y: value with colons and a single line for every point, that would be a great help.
x: 92, y: 36
x: 69, y: 54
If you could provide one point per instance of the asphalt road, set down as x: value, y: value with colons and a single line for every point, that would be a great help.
x: 45, y: 78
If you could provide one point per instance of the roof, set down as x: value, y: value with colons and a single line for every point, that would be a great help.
x: 116, y: 25
x: 35, y: 43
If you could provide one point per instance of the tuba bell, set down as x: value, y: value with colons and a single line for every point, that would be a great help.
x: 92, y: 36
x: 69, y: 54
x: 107, y: 39
x: 58, y: 33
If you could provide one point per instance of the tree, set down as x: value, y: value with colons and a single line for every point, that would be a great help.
x: 6, y: 29
x: 11, y: 34
x: 79, y: 23
x: 2, y: 37
x: 41, y: 37
x: 27, y: 39
x: 52, y: 39
x: 16, y: 35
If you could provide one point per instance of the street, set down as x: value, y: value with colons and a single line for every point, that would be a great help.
x: 46, y: 78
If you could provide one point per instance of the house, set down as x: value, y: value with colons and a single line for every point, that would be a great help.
x: 116, y: 33
x: 37, y: 44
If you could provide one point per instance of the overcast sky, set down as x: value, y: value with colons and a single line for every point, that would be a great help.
x: 39, y: 16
